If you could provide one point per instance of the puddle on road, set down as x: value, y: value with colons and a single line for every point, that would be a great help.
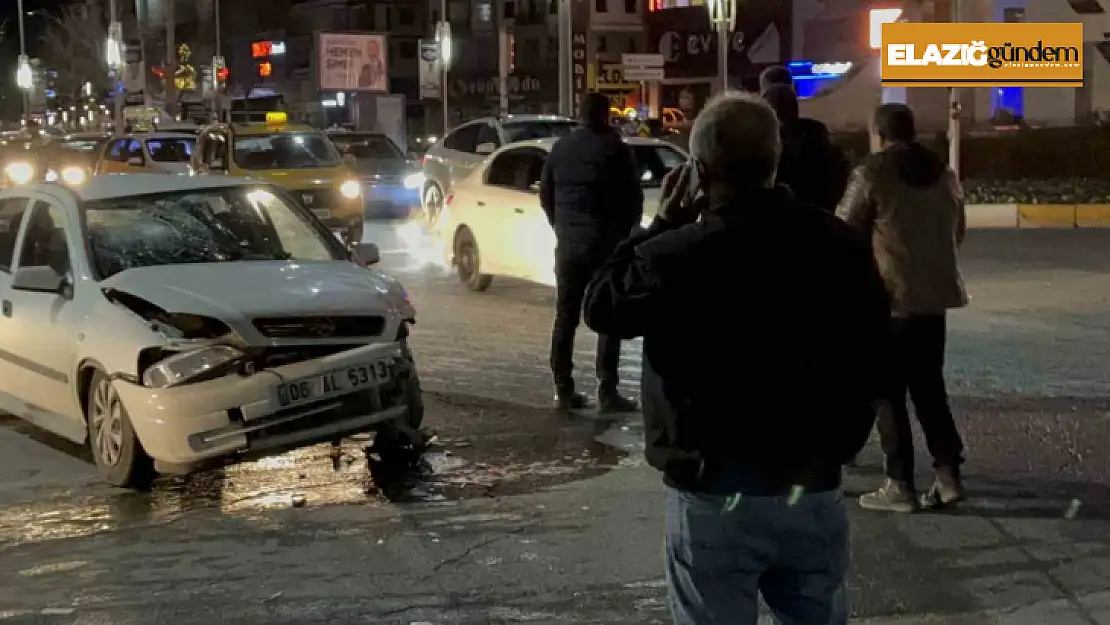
x: 482, y: 449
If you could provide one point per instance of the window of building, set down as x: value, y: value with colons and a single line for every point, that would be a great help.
x: 406, y: 16
x: 458, y: 11
x: 553, y: 7
x: 631, y: 45
x: 629, y: 6
x: 530, y: 56
x: 552, y: 52
x: 602, y: 44
x: 601, y: 6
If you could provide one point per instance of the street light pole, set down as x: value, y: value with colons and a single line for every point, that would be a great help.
x: 954, y: 111
x: 722, y: 15
x: 23, y: 62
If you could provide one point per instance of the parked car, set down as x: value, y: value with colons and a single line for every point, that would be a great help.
x: 170, y: 322
x: 455, y: 155
x: 296, y: 157
x: 147, y: 152
x: 391, y: 183
x: 493, y: 224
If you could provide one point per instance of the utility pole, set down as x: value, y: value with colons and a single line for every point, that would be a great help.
x: 23, y: 62
x: 504, y: 63
x: 722, y: 15
x: 566, y: 81
x: 955, y: 110
x: 142, y: 15
x: 171, y: 60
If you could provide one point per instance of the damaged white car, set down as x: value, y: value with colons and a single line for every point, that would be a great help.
x: 174, y: 322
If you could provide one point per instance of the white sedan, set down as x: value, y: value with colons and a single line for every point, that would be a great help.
x: 172, y: 322
x: 493, y: 224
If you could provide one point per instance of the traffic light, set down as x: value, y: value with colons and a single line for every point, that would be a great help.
x: 222, y: 74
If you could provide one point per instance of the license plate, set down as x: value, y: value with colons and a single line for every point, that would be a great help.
x: 333, y: 383
x: 322, y: 213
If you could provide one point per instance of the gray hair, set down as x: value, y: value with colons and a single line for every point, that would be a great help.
x: 736, y: 140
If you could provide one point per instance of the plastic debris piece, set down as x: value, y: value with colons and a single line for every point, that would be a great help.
x: 462, y: 444
x: 273, y: 597
x: 1073, y: 509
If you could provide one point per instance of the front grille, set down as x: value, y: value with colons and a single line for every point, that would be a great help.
x: 317, y: 198
x: 319, y: 327
x: 267, y: 357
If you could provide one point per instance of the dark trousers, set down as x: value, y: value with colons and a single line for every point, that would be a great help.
x: 574, y: 267
x: 918, y: 367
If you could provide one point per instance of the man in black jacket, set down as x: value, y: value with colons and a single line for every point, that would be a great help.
x: 590, y: 190
x: 751, y: 454
x: 815, y: 170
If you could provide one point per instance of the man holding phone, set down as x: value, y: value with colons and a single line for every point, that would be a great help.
x: 590, y: 190
x: 759, y: 375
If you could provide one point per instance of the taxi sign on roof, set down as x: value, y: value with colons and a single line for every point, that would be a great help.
x: 276, y: 117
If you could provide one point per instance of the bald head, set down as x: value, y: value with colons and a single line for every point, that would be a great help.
x: 736, y: 141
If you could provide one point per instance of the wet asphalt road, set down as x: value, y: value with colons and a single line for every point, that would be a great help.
x: 520, y: 515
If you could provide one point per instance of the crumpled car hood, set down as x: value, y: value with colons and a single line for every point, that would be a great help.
x: 234, y: 291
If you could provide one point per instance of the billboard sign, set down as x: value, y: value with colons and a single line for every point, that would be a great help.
x: 431, y: 80
x: 352, y: 62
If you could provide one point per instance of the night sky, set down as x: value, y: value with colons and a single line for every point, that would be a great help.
x: 34, y: 24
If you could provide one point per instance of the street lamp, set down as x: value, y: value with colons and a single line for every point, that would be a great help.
x: 722, y: 15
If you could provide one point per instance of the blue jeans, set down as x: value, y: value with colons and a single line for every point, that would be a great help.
x: 722, y: 554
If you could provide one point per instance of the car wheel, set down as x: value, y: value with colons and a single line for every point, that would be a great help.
x: 432, y: 203
x: 116, y: 450
x: 468, y: 263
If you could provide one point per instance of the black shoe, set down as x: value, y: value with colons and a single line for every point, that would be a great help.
x: 567, y: 399
x: 614, y: 403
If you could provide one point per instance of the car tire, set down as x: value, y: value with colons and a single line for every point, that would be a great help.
x: 468, y: 262
x: 432, y: 203
x: 119, y: 456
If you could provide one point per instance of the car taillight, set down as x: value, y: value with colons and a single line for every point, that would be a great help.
x: 449, y: 199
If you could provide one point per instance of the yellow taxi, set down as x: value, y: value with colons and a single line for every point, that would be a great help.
x: 296, y: 157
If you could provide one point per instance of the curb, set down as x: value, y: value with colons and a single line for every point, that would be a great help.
x: 1038, y: 215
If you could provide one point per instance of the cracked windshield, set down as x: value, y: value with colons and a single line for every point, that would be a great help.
x: 317, y: 314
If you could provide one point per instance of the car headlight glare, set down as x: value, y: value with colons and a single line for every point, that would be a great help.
x: 73, y: 176
x: 186, y: 366
x: 350, y: 189
x: 414, y: 181
x: 20, y: 172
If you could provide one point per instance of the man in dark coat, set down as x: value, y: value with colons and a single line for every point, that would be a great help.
x: 590, y: 190
x: 759, y: 377
x: 815, y: 170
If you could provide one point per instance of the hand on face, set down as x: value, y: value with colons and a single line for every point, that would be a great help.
x: 676, y: 205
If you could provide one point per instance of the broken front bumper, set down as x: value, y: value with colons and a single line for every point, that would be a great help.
x: 184, y: 426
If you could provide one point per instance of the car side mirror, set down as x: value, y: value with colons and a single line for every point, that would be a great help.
x: 135, y: 161
x: 349, y: 160
x: 366, y: 253
x: 38, y: 280
x: 485, y: 149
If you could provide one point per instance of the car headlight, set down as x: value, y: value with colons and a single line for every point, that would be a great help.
x: 20, y: 172
x: 73, y: 176
x: 181, y: 368
x: 414, y: 181
x: 350, y: 189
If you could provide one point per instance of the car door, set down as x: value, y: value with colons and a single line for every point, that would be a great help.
x: 45, y: 334
x: 12, y: 211
x: 458, y: 156
x: 531, y: 232
x: 506, y: 203
x: 114, y: 158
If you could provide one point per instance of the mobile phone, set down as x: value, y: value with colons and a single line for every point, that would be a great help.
x: 693, y: 185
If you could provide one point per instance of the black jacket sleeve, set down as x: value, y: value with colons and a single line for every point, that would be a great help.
x: 871, y: 329
x: 547, y: 187
x: 626, y: 295
x: 628, y: 176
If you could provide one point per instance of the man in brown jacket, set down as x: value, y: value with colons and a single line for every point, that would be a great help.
x: 910, y: 205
